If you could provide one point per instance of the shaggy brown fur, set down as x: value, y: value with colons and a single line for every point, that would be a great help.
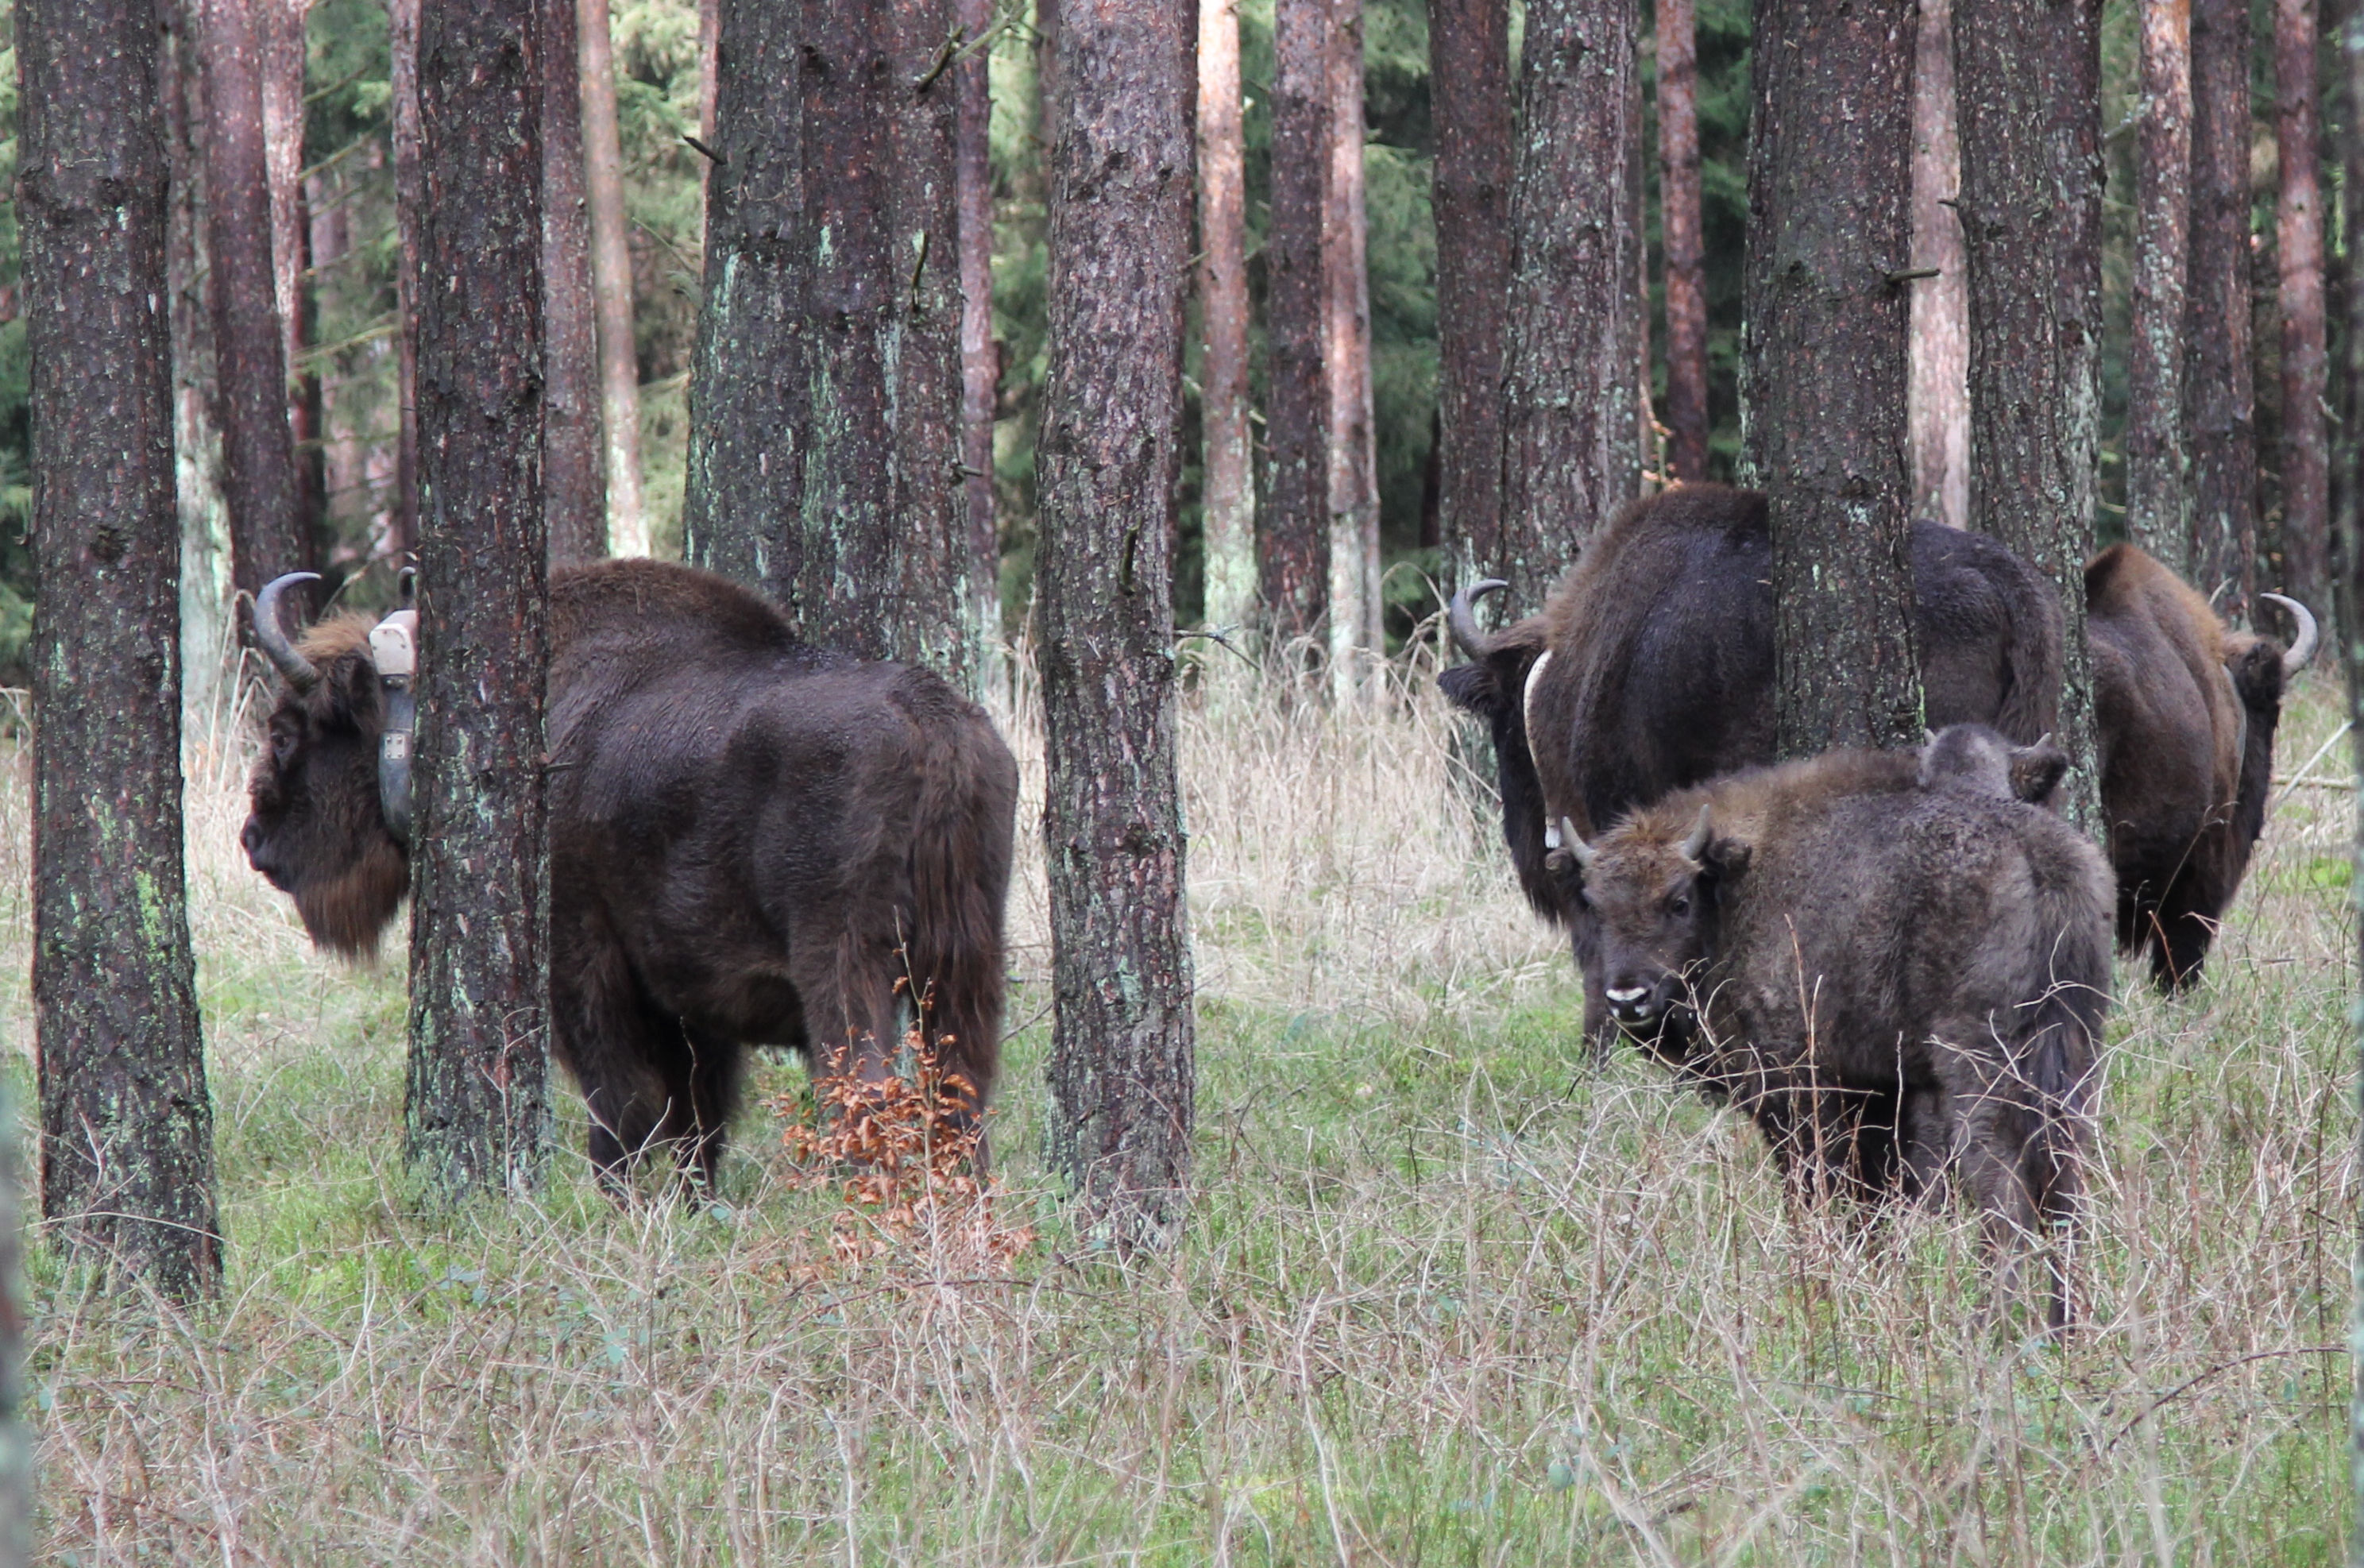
x: 1983, y: 761
x: 752, y: 841
x: 1892, y: 982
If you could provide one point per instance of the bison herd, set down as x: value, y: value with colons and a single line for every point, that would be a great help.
x: 1895, y: 963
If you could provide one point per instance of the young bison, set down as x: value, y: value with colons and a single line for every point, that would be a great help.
x: 1892, y: 982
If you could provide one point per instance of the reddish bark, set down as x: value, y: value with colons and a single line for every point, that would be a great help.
x: 1293, y: 564
x: 1679, y: 206
x: 1469, y: 78
x: 2158, y: 495
x: 574, y: 480
x: 980, y: 359
x: 1354, y: 491
x: 2306, y: 464
x: 2219, y: 394
x: 1229, y: 548
x: 1939, y: 398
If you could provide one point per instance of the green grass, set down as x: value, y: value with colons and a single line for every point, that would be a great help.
x: 1451, y: 1293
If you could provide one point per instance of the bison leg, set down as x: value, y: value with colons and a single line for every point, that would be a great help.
x: 2184, y: 927
x: 2011, y: 1179
x: 715, y: 1068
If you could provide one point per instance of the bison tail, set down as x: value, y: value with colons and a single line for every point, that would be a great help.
x: 959, y: 865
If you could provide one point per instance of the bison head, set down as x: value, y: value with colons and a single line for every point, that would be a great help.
x: 1655, y: 900
x: 1976, y: 759
x: 1494, y: 686
x: 316, y: 827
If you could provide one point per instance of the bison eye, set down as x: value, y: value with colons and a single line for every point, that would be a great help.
x: 1679, y: 905
x: 282, y: 745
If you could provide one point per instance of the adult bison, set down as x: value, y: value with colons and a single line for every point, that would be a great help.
x: 1893, y: 980
x: 752, y: 841
x: 2186, y: 709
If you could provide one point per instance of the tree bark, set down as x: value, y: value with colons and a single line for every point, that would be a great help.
x: 1679, y: 208
x: 980, y: 357
x: 2219, y: 394
x: 573, y: 478
x: 1469, y: 82
x: 2307, y: 475
x: 1122, y: 1045
x: 881, y: 563
x: 1571, y: 426
x: 1223, y: 305
x: 1823, y: 365
x: 1938, y: 413
x: 611, y: 281
x: 126, y: 1124
x: 2158, y: 495
x: 409, y: 209
x: 249, y: 353
x: 1293, y: 566
x: 1354, y: 475
x: 280, y: 31
x: 746, y: 386
x: 2029, y: 78
x: 477, y: 1111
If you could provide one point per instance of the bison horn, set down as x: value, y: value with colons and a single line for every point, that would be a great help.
x: 299, y: 671
x: 1573, y: 842
x: 1696, y: 845
x: 1463, y: 624
x: 2302, y: 648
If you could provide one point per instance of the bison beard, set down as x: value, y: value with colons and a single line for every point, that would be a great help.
x: 1893, y: 982
x: 751, y: 842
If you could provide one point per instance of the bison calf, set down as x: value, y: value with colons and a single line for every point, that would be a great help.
x: 1892, y: 982
x: 752, y: 841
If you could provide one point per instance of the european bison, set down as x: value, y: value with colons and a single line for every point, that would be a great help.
x: 2187, y: 709
x: 1981, y: 761
x: 752, y: 841
x: 1893, y: 980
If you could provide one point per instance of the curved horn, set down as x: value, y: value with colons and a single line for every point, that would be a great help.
x: 1463, y: 624
x: 2302, y: 650
x: 1702, y: 831
x: 298, y: 670
x: 1574, y: 841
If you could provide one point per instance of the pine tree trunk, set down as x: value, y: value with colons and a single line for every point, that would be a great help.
x: 344, y: 453
x: 409, y: 208
x: 1823, y: 365
x: 280, y: 29
x: 2306, y: 475
x: 2219, y: 394
x: 1223, y: 304
x: 1469, y: 84
x: 1293, y: 566
x: 250, y: 354
x: 1571, y: 430
x: 2347, y: 568
x: 747, y: 380
x: 1121, y: 1046
x: 611, y: 283
x: 2158, y: 495
x: 2028, y: 76
x: 882, y: 564
x: 477, y: 1110
x: 980, y: 356
x: 573, y: 478
x: 1353, y: 498
x: 126, y: 1124
x: 1938, y: 413
x: 1679, y: 208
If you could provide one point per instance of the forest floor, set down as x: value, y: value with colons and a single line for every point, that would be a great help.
x: 1450, y: 1293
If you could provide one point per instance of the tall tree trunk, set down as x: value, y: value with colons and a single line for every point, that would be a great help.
x: 1223, y: 305
x: 1121, y: 1046
x: 2159, y: 494
x: 409, y: 213
x: 126, y: 1124
x: 1679, y: 208
x: 477, y: 1111
x: 746, y: 384
x: 883, y: 566
x: 980, y: 357
x: 2306, y: 475
x: 206, y: 604
x: 250, y: 354
x: 1939, y: 401
x: 280, y: 27
x: 1469, y: 84
x: 1823, y: 365
x: 1293, y: 567
x: 574, y: 466
x: 344, y: 459
x: 1572, y: 427
x: 611, y: 281
x: 2219, y: 393
x: 1354, y: 488
x: 2029, y: 81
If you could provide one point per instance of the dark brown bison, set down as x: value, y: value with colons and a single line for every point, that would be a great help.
x: 751, y: 842
x: 2187, y: 708
x: 1893, y: 980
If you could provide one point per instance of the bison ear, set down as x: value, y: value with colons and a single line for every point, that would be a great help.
x: 1724, y: 862
x: 2036, y: 771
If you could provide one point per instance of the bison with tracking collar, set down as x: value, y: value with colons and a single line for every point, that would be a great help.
x: 752, y: 841
x: 1894, y: 980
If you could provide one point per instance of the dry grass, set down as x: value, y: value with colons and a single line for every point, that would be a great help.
x: 1450, y: 1294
